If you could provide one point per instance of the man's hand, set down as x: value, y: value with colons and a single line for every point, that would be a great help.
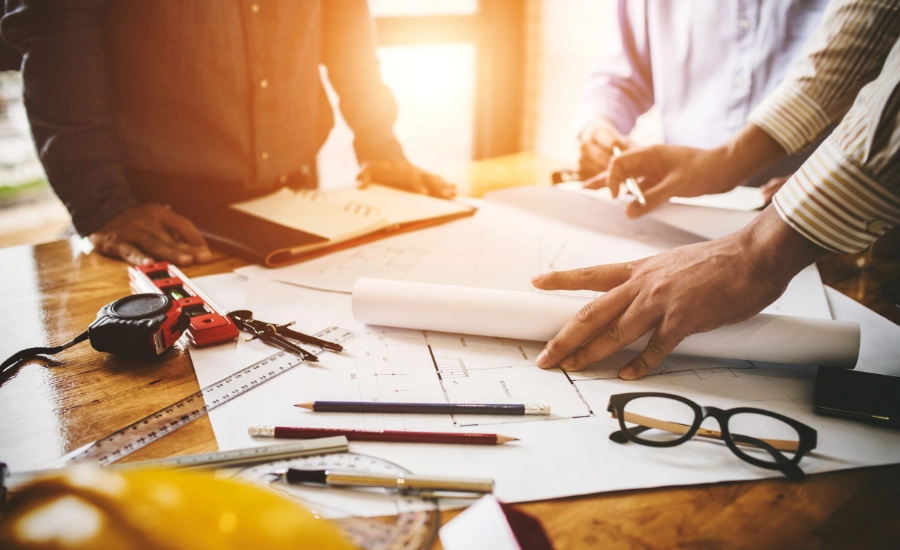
x: 665, y: 171
x: 688, y: 290
x: 596, y: 146
x: 405, y: 176
x: 148, y: 233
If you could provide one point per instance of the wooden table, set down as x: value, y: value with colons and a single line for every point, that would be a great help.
x: 51, y: 292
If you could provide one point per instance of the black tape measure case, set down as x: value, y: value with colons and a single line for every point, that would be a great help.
x: 140, y: 325
x: 136, y: 326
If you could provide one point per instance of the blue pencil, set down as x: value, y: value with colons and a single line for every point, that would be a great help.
x: 424, y: 408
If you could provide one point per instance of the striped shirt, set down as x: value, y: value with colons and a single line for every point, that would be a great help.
x: 848, y: 193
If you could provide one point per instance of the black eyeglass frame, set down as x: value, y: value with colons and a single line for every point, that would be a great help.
x: 790, y: 467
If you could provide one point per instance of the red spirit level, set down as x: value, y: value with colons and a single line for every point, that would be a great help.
x: 209, y: 325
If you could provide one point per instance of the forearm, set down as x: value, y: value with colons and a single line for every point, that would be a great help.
x: 777, y: 250
x: 748, y: 151
x: 843, y: 55
x: 847, y: 194
x: 66, y: 98
x: 368, y: 106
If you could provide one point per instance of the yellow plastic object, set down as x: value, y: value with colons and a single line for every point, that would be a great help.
x: 86, y: 508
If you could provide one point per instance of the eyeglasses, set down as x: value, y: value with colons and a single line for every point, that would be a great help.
x: 762, y: 438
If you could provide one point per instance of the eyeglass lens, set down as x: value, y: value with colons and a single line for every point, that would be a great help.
x: 763, y: 437
x: 658, y: 419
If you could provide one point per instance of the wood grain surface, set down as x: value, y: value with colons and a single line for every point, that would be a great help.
x: 51, y: 292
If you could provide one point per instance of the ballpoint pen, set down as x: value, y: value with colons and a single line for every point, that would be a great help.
x: 401, y: 482
x: 630, y: 183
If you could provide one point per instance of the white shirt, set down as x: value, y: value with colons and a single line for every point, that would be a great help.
x: 705, y: 64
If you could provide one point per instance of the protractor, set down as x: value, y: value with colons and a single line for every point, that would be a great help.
x: 374, y: 519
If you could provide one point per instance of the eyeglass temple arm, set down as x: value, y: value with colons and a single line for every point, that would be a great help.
x: 676, y: 428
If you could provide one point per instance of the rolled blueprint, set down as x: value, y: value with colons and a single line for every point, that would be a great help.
x: 534, y: 316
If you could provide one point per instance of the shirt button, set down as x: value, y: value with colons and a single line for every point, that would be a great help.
x: 744, y: 23
x: 264, y: 155
x: 254, y: 8
x: 283, y: 179
x: 263, y: 83
x: 738, y: 81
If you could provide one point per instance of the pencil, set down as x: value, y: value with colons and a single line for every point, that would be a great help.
x: 394, y: 436
x: 517, y: 409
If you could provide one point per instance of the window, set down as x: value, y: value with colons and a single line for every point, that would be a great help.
x: 455, y: 69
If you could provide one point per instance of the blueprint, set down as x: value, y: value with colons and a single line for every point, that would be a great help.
x: 572, y: 445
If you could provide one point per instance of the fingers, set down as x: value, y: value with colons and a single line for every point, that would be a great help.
x: 593, y: 158
x: 654, y: 197
x: 625, y: 166
x: 363, y: 179
x: 594, y: 316
x: 597, y: 182
x: 132, y: 255
x: 662, y: 342
x: 599, y: 278
x: 110, y: 245
x: 154, y: 243
x: 437, y: 187
x: 187, y: 233
x: 620, y: 332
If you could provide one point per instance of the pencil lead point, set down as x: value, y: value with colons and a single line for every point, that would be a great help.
x: 505, y: 439
x: 308, y: 406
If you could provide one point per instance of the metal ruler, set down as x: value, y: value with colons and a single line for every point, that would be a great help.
x: 243, y: 457
x: 119, y: 444
x: 218, y: 459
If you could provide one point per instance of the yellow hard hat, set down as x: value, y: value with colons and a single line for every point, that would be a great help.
x: 86, y: 508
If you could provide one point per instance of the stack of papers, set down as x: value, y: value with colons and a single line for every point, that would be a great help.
x: 568, y: 453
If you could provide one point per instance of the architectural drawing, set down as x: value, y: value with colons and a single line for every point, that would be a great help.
x: 410, y: 365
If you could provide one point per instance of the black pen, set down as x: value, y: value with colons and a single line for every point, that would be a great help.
x: 402, y: 482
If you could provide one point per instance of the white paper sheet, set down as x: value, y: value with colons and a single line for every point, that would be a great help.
x: 573, y: 454
x: 483, y: 526
x: 696, y: 215
x: 531, y: 316
x: 503, y: 247
x: 519, y: 233
x: 742, y: 199
x: 390, y: 258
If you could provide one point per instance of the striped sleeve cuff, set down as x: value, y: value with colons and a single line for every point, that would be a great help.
x: 791, y: 117
x: 833, y: 203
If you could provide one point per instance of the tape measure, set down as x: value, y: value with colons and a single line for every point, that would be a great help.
x: 136, y: 326
x: 121, y: 443
x: 207, y: 324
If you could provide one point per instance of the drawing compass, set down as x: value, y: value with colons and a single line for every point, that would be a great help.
x: 280, y: 336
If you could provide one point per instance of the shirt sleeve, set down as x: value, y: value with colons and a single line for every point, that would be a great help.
x: 845, y: 53
x: 66, y: 97
x: 847, y: 194
x: 367, y: 104
x: 620, y: 88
